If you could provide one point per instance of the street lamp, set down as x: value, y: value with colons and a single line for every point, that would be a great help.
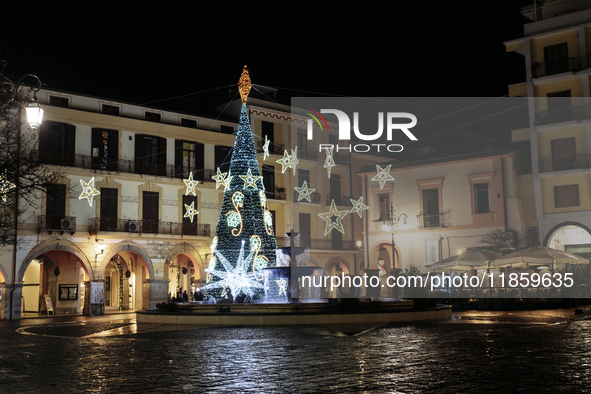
x: 9, y: 94
x: 388, y: 223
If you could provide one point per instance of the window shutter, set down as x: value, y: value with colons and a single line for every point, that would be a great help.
x: 113, y: 150
x: 178, y: 158
x: 70, y: 145
x: 139, y: 153
x: 200, y: 161
x: 161, y: 156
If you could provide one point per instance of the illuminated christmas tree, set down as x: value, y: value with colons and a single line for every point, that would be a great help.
x: 244, y: 243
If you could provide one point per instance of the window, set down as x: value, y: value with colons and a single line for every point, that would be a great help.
x: 150, y: 155
x: 55, y: 206
x: 269, y: 181
x: 430, y: 207
x: 268, y: 131
x: 109, y: 202
x: 223, y: 155
x: 566, y: 196
x: 302, y: 144
x: 189, y: 157
x: 335, y: 189
x: 564, y: 154
x: 152, y: 116
x: 227, y: 129
x: 150, y: 212
x: 383, y: 206
x: 189, y: 123
x: 556, y: 58
x: 481, y: 198
x: 190, y: 228
x: 105, y: 149
x: 59, y: 101
x: 57, y: 142
x: 334, y: 141
x: 110, y: 109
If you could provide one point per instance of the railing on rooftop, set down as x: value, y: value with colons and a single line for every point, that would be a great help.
x: 551, y: 164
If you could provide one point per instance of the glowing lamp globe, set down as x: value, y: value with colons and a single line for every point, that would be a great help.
x: 34, y: 115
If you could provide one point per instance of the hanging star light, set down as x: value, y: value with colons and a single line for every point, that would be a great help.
x: 249, y: 180
x: 190, y: 211
x: 88, y: 191
x: 383, y: 175
x: 266, y: 148
x: 285, y: 162
x: 5, y: 185
x: 191, y: 184
x: 227, y: 181
x: 358, y: 206
x: 329, y: 162
x: 304, y: 192
x: 327, y: 217
x: 219, y: 178
x: 294, y: 160
x: 240, y: 279
x: 282, y: 283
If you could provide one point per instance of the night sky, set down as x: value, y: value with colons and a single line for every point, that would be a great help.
x: 147, y: 53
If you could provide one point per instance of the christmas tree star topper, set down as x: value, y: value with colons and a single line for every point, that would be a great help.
x: 191, y: 184
x: 338, y: 215
x: 88, y: 191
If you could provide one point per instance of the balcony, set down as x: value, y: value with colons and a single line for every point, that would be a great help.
x: 274, y: 148
x: 572, y: 64
x: 315, y: 197
x: 339, y: 200
x: 148, y: 227
x: 551, y: 164
x: 278, y: 194
x: 56, y: 223
x: 437, y: 220
x: 311, y: 155
x: 565, y: 114
x: 322, y: 244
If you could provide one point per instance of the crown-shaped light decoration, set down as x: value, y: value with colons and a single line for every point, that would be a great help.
x: 244, y: 85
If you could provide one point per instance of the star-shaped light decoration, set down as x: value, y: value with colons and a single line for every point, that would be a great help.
x: 88, y: 191
x: 191, y: 184
x: 294, y: 160
x: 304, y: 192
x: 266, y: 148
x: 282, y: 283
x: 190, y: 211
x: 240, y: 278
x: 5, y: 185
x: 383, y: 175
x: 219, y: 178
x: 285, y: 162
x: 249, y: 180
x: 358, y: 206
x: 327, y: 217
x: 329, y: 162
x: 227, y: 181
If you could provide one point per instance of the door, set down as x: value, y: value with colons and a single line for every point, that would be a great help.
x: 335, y: 189
x: 431, y: 208
x: 150, y: 212
x: 564, y: 154
x: 55, y: 209
x: 190, y: 228
x: 108, y: 218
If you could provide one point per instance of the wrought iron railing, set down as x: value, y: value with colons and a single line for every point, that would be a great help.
x: 551, y: 164
x: 314, y: 197
x: 543, y: 69
x: 56, y: 223
x: 339, y: 200
x: 437, y: 220
x: 148, y: 226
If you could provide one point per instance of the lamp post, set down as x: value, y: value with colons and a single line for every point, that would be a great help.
x: 388, y: 226
x: 9, y: 96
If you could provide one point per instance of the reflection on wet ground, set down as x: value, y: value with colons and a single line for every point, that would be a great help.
x: 476, y: 352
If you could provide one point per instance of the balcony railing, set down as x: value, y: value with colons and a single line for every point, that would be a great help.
x: 314, y: 197
x: 434, y: 220
x: 148, y: 226
x: 565, y: 114
x: 551, y: 164
x: 307, y: 155
x: 57, y: 223
x: 323, y: 244
x: 339, y: 200
x: 273, y: 148
x: 276, y: 195
x: 559, y: 66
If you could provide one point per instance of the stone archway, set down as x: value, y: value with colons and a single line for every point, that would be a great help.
x: 126, y: 246
x: 570, y: 236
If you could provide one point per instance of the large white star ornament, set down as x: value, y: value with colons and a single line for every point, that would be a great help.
x: 266, y: 148
x: 190, y: 211
x: 227, y: 181
x: 327, y: 217
x: 250, y: 180
x: 219, y: 178
x: 294, y: 160
x: 304, y: 192
x: 5, y: 185
x: 383, y: 175
x: 285, y: 162
x: 191, y: 184
x: 88, y: 191
x: 358, y: 206
x: 240, y: 278
x: 282, y: 283
x: 329, y: 162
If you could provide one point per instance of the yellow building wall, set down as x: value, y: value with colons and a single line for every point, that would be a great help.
x: 538, y: 44
x: 548, y: 185
x: 545, y: 140
x: 525, y: 192
x: 518, y: 89
x: 574, y: 85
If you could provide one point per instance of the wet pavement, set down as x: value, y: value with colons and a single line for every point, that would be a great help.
x: 475, y: 352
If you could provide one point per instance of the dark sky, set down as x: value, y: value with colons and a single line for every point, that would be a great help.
x: 146, y: 51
